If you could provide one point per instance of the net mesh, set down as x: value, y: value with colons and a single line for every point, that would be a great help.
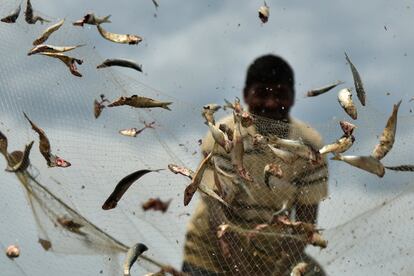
x: 366, y: 220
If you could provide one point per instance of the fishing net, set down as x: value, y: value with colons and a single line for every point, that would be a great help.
x: 55, y: 214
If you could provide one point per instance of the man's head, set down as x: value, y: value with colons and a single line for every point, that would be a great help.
x: 269, y: 87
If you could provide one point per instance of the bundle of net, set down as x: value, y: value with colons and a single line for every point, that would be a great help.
x: 260, y: 202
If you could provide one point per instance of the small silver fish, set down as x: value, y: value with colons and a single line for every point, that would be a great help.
x: 299, y: 269
x: 220, y: 138
x: 272, y: 170
x: 388, y: 135
x: 120, y: 62
x: 208, y: 113
x: 195, y: 182
x: 264, y: 13
x: 340, y: 146
x: 23, y: 161
x: 347, y: 127
x: 70, y: 62
x: 322, y: 90
x: 92, y: 19
x: 52, y: 49
x: 132, y: 255
x: 299, y: 148
x: 401, y: 168
x: 11, y: 18
x: 45, y: 35
x: 139, y: 102
x: 131, y: 132
x: 366, y: 163
x: 357, y: 81
x: 181, y: 170
x: 345, y: 100
x: 30, y: 17
x: 286, y: 156
x: 119, y: 38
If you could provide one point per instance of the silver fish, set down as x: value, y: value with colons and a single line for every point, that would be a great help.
x: 357, y: 81
x: 22, y: 163
x: 132, y: 255
x: 272, y: 170
x: 345, y: 100
x: 120, y: 62
x: 45, y: 35
x: 208, y: 113
x: 196, y: 180
x: 340, y: 146
x: 322, y: 90
x: 70, y: 62
x: 92, y: 19
x: 139, y: 102
x: 11, y: 18
x: 52, y: 49
x: 220, y: 137
x: 347, y: 127
x: 299, y: 269
x: 119, y: 38
x: 286, y: 156
x: 30, y: 17
x: 238, y: 150
x: 264, y: 13
x: 181, y: 170
x: 366, y: 163
x: 388, y: 135
x: 299, y: 148
x: 401, y: 168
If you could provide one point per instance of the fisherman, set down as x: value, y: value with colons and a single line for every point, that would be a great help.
x: 269, y: 94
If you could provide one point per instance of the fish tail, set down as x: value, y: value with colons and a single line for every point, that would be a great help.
x: 106, y: 19
x: 165, y: 105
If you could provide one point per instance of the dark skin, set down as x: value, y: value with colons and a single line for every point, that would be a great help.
x: 274, y: 101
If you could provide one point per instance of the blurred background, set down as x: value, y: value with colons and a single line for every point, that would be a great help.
x: 194, y: 53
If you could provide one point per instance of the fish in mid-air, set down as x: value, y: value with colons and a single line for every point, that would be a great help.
x: 181, y: 170
x: 297, y: 147
x: 388, y: 135
x: 208, y: 113
x: 196, y: 179
x: 366, y: 163
x: 264, y: 12
x: 401, y: 168
x: 123, y: 186
x: 120, y: 62
x: 70, y: 225
x: 52, y: 49
x: 45, y: 149
x: 322, y: 90
x: 119, y: 38
x: 133, y: 132
x: 357, y: 81
x: 70, y: 62
x: 30, y: 17
x: 11, y: 18
x: 340, y: 146
x: 19, y: 161
x: 13, y: 251
x: 347, y: 127
x: 220, y: 137
x: 139, y: 102
x: 272, y: 170
x: 345, y: 100
x: 299, y: 269
x: 92, y: 19
x: 45, y: 35
x: 156, y: 204
x: 132, y: 255
x: 99, y: 106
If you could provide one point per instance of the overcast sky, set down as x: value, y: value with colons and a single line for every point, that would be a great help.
x: 195, y: 53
